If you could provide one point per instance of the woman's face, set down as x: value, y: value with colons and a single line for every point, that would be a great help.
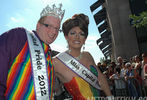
x: 76, y: 38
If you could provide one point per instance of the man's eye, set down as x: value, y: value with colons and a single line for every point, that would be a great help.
x: 46, y: 25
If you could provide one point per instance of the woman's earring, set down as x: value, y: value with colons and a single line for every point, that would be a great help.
x: 67, y: 45
x: 83, y: 47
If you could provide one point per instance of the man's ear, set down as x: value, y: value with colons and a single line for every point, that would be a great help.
x: 38, y: 25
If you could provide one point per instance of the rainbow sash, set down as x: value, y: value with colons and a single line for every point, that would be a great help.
x: 20, y: 82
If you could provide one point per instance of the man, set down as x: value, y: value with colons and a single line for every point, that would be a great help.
x: 120, y: 61
x: 26, y: 70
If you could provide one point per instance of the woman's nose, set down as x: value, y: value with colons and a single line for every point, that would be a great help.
x: 77, y: 35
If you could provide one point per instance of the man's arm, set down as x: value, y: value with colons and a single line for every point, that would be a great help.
x: 11, y: 43
x: 4, y: 61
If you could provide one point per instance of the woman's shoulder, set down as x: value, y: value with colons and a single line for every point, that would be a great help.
x: 88, y: 59
x: 55, y: 60
x: 56, y: 57
x: 57, y: 63
x: 86, y: 54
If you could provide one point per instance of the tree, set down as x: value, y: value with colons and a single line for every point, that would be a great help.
x: 139, y: 21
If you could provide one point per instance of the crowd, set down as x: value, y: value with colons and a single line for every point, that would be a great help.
x: 127, y: 78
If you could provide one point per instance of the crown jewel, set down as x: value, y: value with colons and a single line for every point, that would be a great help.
x: 54, y: 11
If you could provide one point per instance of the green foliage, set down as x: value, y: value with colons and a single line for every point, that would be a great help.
x: 104, y: 60
x: 139, y: 21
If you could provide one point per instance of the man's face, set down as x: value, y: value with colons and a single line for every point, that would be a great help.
x: 48, y: 29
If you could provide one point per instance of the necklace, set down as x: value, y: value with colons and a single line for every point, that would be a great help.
x: 78, y: 58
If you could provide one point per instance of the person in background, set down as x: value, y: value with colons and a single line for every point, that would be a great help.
x: 76, y: 69
x: 113, y: 64
x: 130, y: 78
x: 26, y: 69
x: 120, y: 61
x: 144, y: 72
x: 138, y: 65
x: 99, y: 65
x: 145, y: 79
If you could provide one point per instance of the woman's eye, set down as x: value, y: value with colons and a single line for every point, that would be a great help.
x: 72, y: 33
x: 82, y: 34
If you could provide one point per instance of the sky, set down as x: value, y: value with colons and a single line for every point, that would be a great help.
x: 25, y: 13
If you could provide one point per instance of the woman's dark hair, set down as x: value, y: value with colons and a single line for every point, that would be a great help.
x: 118, y: 69
x: 79, y: 20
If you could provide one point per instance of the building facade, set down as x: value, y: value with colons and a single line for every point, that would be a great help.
x: 118, y: 37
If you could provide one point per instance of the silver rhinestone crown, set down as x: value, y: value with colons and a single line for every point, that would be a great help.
x: 54, y: 11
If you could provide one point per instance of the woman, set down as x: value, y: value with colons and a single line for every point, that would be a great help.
x: 69, y: 63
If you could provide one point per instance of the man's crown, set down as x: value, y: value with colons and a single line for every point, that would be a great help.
x: 54, y: 11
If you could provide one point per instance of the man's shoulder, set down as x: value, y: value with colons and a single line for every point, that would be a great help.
x: 17, y: 30
x: 14, y: 32
x: 15, y: 36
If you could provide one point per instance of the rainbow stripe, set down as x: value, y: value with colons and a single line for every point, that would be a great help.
x: 50, y: 68
x: 20, y: 84
x: 81, y: 90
